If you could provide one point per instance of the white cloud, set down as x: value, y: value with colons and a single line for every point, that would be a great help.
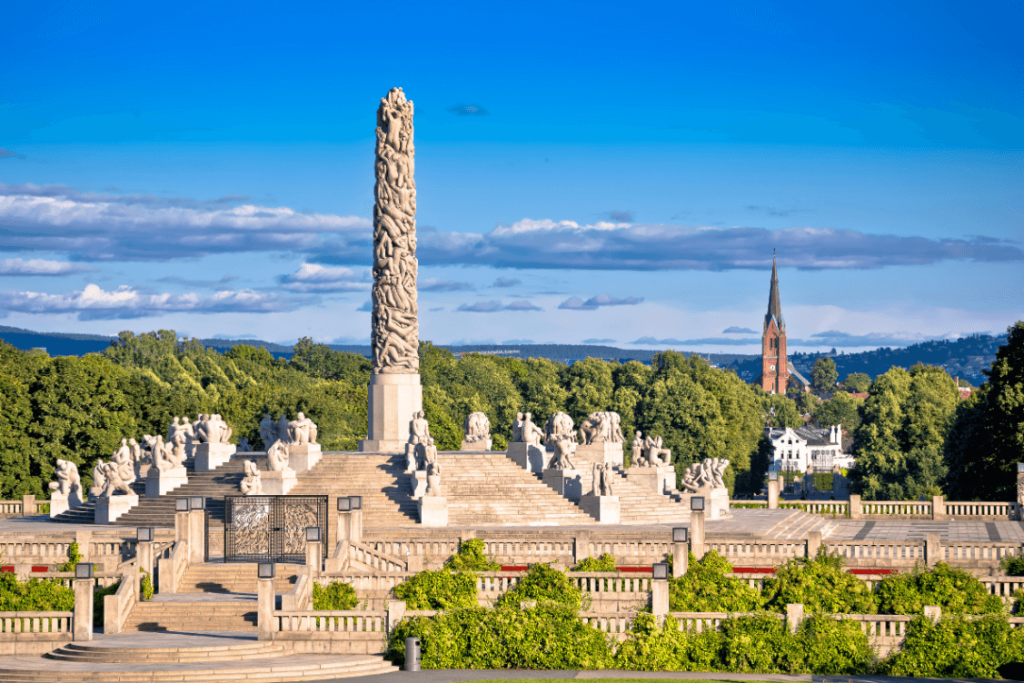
x: 38, y: 266
x: 593, y: 303
x: 312, y: 277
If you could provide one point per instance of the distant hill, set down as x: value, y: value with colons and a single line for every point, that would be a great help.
x: 964, y: 358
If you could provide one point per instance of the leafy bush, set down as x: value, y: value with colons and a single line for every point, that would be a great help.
x: 707, y: 587
x: 605, y: 563
x: 74, y: 557
x: 146, y: 585
x: 650, y: 648
x: 952, y: 589
x: 832, y: 646
x: 957, y: 647
x: 549, y: 636
x: 471, y: 558
x: 334, y: 596
x: 759, y: 643
x: 1012, y: 565
x: 34, y: 595
x: 821, y: 584
x: 443, y: 590
x: 545, y: 585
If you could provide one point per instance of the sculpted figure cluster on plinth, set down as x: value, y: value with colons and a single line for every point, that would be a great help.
x: 477, y: 428
x: 705, y: 474
x: 602, y: 484
x: 602, y: 427
x: 650, y: 451
x: 251, y: 485
x: 558, y: 428
x: 299, y: 431
x: 277, y: 456
x: 68, y: 481
x: 420, y: 451
x: 525, y: 431
x: 212, y: 429
x: 395, y: 325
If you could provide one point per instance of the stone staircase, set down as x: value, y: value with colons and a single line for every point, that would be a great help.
x: 797, y: 525
x: 640, y: 504
x: 488, y: 489
x: 191, y: 657
x: 234, y: 577
x: 185, y: 613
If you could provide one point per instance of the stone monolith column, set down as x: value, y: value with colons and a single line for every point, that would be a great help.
x: 395, y: 393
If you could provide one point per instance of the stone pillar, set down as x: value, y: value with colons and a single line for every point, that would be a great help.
x: 182, y: 529
x: 855, y: 512
x: 680, y: 559
x: 144, y: 551
x: 697, y: 533
x: 196, y: 536
x: 265, y: 599
x: 1020, y: 490
x: 933, y: 549
x: 395, y: 394
x: 813, y: 543
x: 314, y: 560
x: 659, y: 599
x: 794, y: 615
x: 350, y: 526
x: 938, y: 508
x: 28, y: 505
x: 773, y: 494
x: 581, y: 547
x: 83, y: 609
x: 396, y: 612
x: 933, y: 612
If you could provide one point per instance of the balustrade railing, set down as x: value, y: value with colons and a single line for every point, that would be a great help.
x: 329, y: 621
x: 37, y: 622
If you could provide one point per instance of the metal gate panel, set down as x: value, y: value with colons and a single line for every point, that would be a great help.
x: 271, y: 528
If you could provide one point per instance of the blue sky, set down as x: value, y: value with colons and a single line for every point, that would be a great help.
x: 585, y: 171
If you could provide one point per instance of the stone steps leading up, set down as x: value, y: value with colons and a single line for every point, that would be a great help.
x: 99, y: 653
x: 183, y: 615
x: 234, y: 577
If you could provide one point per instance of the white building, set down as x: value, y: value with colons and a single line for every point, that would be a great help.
x: 803, y: 447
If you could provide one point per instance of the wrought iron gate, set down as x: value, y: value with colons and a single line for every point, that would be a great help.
x: 271, y: 528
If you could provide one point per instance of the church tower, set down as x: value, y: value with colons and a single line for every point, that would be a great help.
x: 774, y: 362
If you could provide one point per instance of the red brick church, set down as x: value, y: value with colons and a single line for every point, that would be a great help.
x: 776, y: 370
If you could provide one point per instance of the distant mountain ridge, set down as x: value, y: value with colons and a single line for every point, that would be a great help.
x: 964, y: 358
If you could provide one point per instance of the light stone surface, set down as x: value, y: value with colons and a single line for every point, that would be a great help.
x: 661, y: 479
x: 278, y: 483
x: 476, y: 446
x: 252, y: 484
x: 302, y: 430
x: 478, y: 432
x: 602, y: 427
x: 558, y: 427
x: 605, y: 509
x: 600, y: 452
x: 210, y: 456
x: 433, y: 511
x: 418, y: 483
x: 60, y: 503
x: 529, y: 456
x: 303, y: 457
x: 277, y: 456
x: 393, y: 401
x: 572, y: 484
x: 161, y: 482
x: 109, y: 508
x: 66, y: 492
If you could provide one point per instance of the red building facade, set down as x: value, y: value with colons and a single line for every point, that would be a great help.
x: 774, y: 361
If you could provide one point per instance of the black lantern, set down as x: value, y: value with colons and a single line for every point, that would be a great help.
x: 265, y: 570
x: 144, y: 534
x: 344, y: 504
x: 660, y: 571
x: 697, y: 503
x: 680, y: 534
x: 85, y: 570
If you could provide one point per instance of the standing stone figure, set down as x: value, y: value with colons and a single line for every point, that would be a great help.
x: 517, y: 428
x: 532, y: 433
x: 114, y: 482
x: 559, y: 427
x: 602, y: 483
x: 638, y: 450
x: 268, y: 430
x: 564, y: 450
x: 99, y: 478
x: 395, y: 323
x: 419, y: 429
x: 283, y: 430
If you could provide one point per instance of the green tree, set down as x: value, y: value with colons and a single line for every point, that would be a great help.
x: 857, y: 383
x: 824, y: 375
x: 987, y: 437
x: 899, y: 442
x: 589, y: 388
x: 778, y: 411
x: 541, y: 388
x: 841, y: 409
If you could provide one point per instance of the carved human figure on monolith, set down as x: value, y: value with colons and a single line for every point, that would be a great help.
x: 68, y: 480
x: 559, y: 427
x: 638, y: 450
x: 268, y: 430
x: 302, y: 430
x: 251, y: 485
x: 565, y: 448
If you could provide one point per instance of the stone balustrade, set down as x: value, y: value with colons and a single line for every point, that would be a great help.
x: 26, y: 507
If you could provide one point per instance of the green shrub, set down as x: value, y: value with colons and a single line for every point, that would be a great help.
x: 98, y: 601
x: 957, y: 647
x: 549, y: 636
x: 605, y: 563
x: 759, y: 644
x: 335, y: 596
x: 708, y: 587
x: 832, y: 646
x: 146, y: 585
x: 471, y: 558
x: 442, y: 590
x: 821, y: 584
x: 74, y: 557
x: 1012, y: 565
x: 545, y: 585
x: 34, y: 595
x: 952, y: 589
x: 650, y: 648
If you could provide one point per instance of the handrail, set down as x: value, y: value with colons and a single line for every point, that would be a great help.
x: 173, y: 568
x: 118, y: 606
x: 36, y: 622
x: 377, y: 559
x: 328, y: 621
x: 300, y: 597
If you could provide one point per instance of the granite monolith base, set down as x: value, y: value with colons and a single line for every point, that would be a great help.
x: 433, y: 511
x: 109, y: 508
x: 605, y: 509
x: 530, y: 457
x: 278, y: 483
x: 162, y: 482
x: 210, y: 456
x: 303, y: 457
x: 393, y: 400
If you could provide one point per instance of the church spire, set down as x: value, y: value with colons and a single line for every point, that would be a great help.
x: 774, y: 305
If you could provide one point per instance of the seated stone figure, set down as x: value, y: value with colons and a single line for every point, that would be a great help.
x: 517, y: 428
x: 655, y: 454
x: 531, y: 432
x: 251, y: 485
x: 122, y: 458
x: 277, y: 457
x: 169, y: 456
x: 302, y: 430
x: 68, y: 481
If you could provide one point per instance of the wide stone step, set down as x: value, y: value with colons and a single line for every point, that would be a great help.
x: 79, y: 652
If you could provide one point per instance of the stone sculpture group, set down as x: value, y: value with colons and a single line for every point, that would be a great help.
x: 601, y: 427
x: 707, y: 474
x: 420, y: 451
x: 525, y: 431
x: 477, y: 428
x: 300, y: 431
x: 251, y: 485
x: 650, y: 451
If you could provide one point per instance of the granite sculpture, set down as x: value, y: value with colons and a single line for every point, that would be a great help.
x: 434, y: 481
x: 706, y: 479
x: 477, y: 428
x: 565, y: 449
x: 66, y: 492
x: 268, y: 430
x: 602, y: 485
x: 602, y: 427
x: 559, y: 427
x: 251, y: 485
x: 122, y: 459
x: 212, y: 429
x: 302, y: 430
x: 99, y: 478
x: 277, y: 456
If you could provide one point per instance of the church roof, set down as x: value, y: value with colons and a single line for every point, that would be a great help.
x: 774, y: 304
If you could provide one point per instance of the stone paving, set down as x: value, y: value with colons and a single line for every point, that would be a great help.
x: 951, y: 531
x: 460, y: 676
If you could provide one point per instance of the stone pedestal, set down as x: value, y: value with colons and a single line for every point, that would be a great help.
x: 210, y: 456
x: 109, y: 508
x: 418, y: 483
x: 587, y: 456
x: 278, y: 483
x: 142, y: 471
x: 476, y: 446
x: 572, y: 484
x: 303, y: 457
x: 661, y: 479
x: 60, y: 502
x: 433, y: 511
x: 716, y: 501
x: 605, y: 509
x: 773, y: 494
x: 84, y: 605
x: 530, y: 457
x: 393, y: 400
x: 160, y: 483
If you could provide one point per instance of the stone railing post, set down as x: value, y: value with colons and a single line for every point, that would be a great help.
x: 145, y: 553
x: 265, y: 603
x: 659, y: 599
x: 196, y: 536
x: 933, y: 612
x: 182, y: 529
x: 680, y: 559
x: 773, y: 494
x: 697, y: 533
x: 813, y: 543
x: 794, y: 615
x: 84, y: 540
x: 855, y: 511
x: 581, y: 546
x: 350, y: 526
x: 83, y: 609
x: 932, y: 549
x: 314, y: 561
x: 28, y: 505
x: 938, y: 507
x: 396, y: 612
